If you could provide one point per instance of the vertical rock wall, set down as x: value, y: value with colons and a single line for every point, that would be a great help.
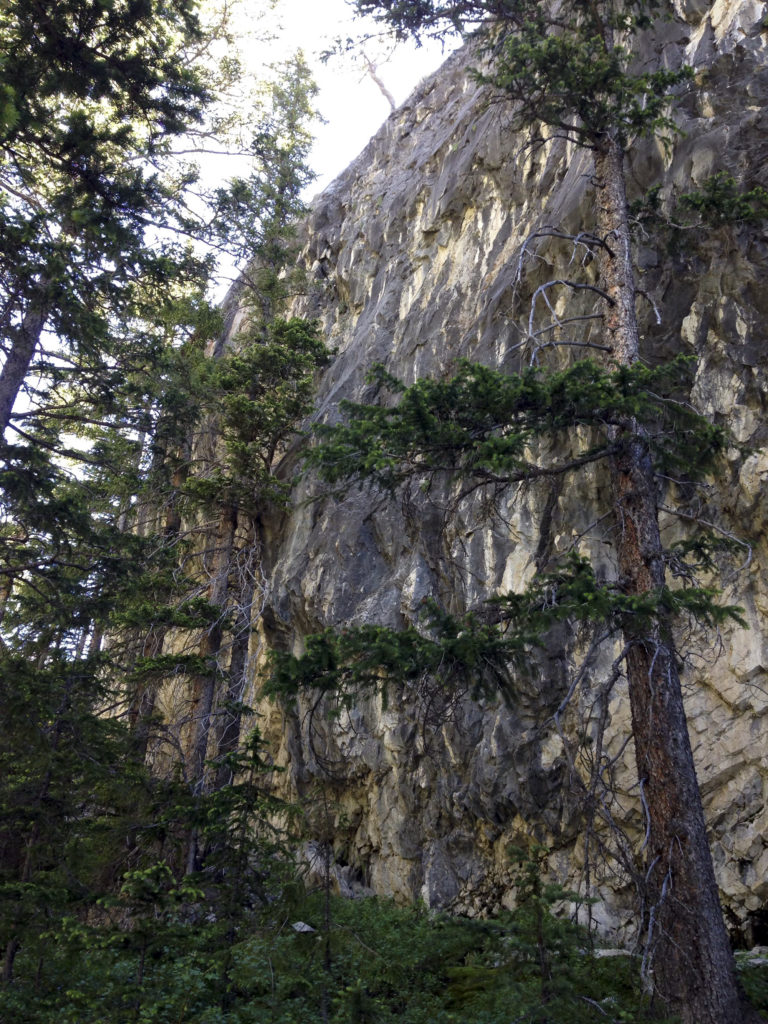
x: 414, y: 254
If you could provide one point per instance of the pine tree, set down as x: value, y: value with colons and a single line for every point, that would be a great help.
x: 95, y: 95
x: 68, y: 784
x: 567, y: 71
x: 101, y: 304
x: 228, y: 409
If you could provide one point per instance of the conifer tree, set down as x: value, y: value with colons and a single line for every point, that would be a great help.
x: 94, y: 96
x: 262, y: 387
x: 67, y: 782
x: 228, y: 407
x: 103, y: 378
x: 566, y: 70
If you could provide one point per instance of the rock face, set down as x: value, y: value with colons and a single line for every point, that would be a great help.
x: 416, y: 256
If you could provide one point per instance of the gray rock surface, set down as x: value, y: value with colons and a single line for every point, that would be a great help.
x: 415, y: 259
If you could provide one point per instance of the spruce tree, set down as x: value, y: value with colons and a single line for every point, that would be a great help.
x: 104, y: 374
x: 95, y: 94
x: 260, y: 390
x: 228, y: 407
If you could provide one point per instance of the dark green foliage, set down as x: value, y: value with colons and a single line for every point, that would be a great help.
x: 92, y: 305
x: 96, y: 564
x: 721, y: 200
x: 125, y: 51
x: 386, y: 964
x: 430, y: 17
x: 540, y: 962
x: 441, y: 17
x: 567, y: 71
x: 255, y: 217
x: 579, y: 85
x: 753, y: 974
x: 109, y: 925
x: 100, y: 91
x: 563, y: 67
x: 264, y: 390
x: 482, y: 651
x: 65, y: 799
x: 480, y: 424
x: 344, y: 665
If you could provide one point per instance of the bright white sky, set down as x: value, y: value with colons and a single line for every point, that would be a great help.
x: 351, y: 103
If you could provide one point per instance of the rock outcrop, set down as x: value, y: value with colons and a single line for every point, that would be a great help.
x: 416, y: 259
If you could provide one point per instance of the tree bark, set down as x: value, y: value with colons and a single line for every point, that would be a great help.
x: 141, y: 707
x: 6, y: 589
x: 204, y: 688
x: 23, y: 346
x: 688, y: 957
x: 229, y: 731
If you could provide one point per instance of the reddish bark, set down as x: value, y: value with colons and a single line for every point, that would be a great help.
x: 689, y: 958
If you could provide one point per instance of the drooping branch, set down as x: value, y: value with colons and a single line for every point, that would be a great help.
x: 482, y: 423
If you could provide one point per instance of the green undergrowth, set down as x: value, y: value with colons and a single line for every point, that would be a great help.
x: 307, y: 959
x: 753, y: 973
x: 377, y: 963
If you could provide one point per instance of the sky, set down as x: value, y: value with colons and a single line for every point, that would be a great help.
x: 350, y: 103
x: 349, y: 100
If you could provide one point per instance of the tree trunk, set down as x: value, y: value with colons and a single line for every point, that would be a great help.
x: 204, y: 689
x: 204, y: 685
x: 6, y: 589
x: 688, y: 958
x: 23, y: 347
x: 12, y: 948
x: 229, y: 731
x: 141, y: 707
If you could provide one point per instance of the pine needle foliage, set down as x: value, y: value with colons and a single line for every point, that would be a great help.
x: 106, y: 333
x: 576, y: 84
x: 564, y: 66
x: 721, y: 200
x: 387, y: 964
x: 264, y: 390
x: 481, y: 424
x: 568, y: 71
x: 489, y: 649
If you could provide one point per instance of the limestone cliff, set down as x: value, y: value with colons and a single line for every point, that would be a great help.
x: 414, y: 255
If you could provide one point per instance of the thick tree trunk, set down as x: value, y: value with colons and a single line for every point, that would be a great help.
x: 688, y: 955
